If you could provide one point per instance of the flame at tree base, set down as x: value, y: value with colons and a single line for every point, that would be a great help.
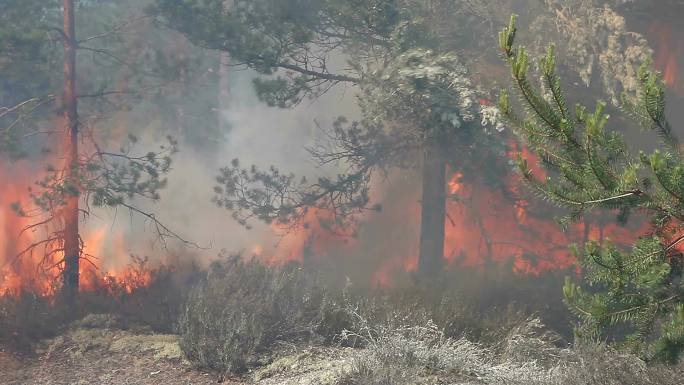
x: 105, y: 260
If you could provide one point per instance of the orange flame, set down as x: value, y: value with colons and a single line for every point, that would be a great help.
x: 105, y: 259
x: 488, y: 225
x: 668, y: 49
x: 313, y: 237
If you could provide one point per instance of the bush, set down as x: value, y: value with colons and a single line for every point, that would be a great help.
x: 143, y: 295
x: 242, y: 308
x: 398, y: 353
x: 25, y: 318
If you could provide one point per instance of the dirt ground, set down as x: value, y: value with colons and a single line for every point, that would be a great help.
x: 101, y: 355
x: 96, y: 351
x: 96, y: 368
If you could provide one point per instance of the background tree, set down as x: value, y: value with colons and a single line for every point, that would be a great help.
x: 302, y: 48
x: 592, y: 168
x: 85, y: 173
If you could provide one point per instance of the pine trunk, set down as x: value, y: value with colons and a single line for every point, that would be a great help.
x: 224, y: 91
x: 433, y: 211
x: 224, y: 81
x: 70, y: 214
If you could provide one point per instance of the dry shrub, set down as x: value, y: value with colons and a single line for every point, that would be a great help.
x: 400, y: 352
x: 422, y: 354
x: 26, y: 318
x: 144, y: 298
x: 598, y: 364
x: 455, y: 314
x: 143, y: 295
x: 242, y: 308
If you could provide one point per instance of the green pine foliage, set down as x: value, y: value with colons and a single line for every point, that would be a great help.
x: 636, y: 292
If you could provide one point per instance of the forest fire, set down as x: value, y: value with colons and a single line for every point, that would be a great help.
x: 105, y: 260
x: 668, y: 50
x: 498, y: 226
x: 17, y: 273
x: 494, y: 228
x: 341, y: 192
x: 316, y: 233
x: 485, y: 225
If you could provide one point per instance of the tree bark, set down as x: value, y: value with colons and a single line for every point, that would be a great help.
x: 433, y: 213
x: 72, y: 249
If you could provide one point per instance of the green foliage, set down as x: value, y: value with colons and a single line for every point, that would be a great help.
x: 590, y: 167
x: 28, y: 54
x: 388, y: 48
x: 109, y: 179
x: 28, y: 59
x: 405, y: 104
x: 295, y: 36
x: 416, y: 91
x: 271, y: 196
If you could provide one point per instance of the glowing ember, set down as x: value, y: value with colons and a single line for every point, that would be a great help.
x: 455, y: 183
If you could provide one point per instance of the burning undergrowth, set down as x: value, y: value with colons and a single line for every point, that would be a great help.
x: 501, y: 250
x: 488, y: 227
x: 144, y: 296
x: 492, y: 227
x: 354, y: 286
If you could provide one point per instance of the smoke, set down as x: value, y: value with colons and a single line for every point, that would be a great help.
x: 257, y: 134
x: 386, y: 244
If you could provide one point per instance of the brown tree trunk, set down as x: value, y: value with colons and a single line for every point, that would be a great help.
x: 72, y: 248
x: 433, y: 211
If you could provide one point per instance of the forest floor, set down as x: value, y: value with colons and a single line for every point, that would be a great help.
x: 92, y: 352
x: 99, y: 350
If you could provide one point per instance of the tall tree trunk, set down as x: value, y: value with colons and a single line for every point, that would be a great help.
x: 72, y: 248
x: 433, y: 213
x: 224, y: 81
x: 224, y: 91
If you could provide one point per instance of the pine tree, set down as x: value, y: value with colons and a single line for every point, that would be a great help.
x: 390, y: 47
x: 591, y: 168
x: 92, y: 174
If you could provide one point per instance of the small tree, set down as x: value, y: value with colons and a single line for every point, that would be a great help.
x: 591, y: 168
x: 91, y: 175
